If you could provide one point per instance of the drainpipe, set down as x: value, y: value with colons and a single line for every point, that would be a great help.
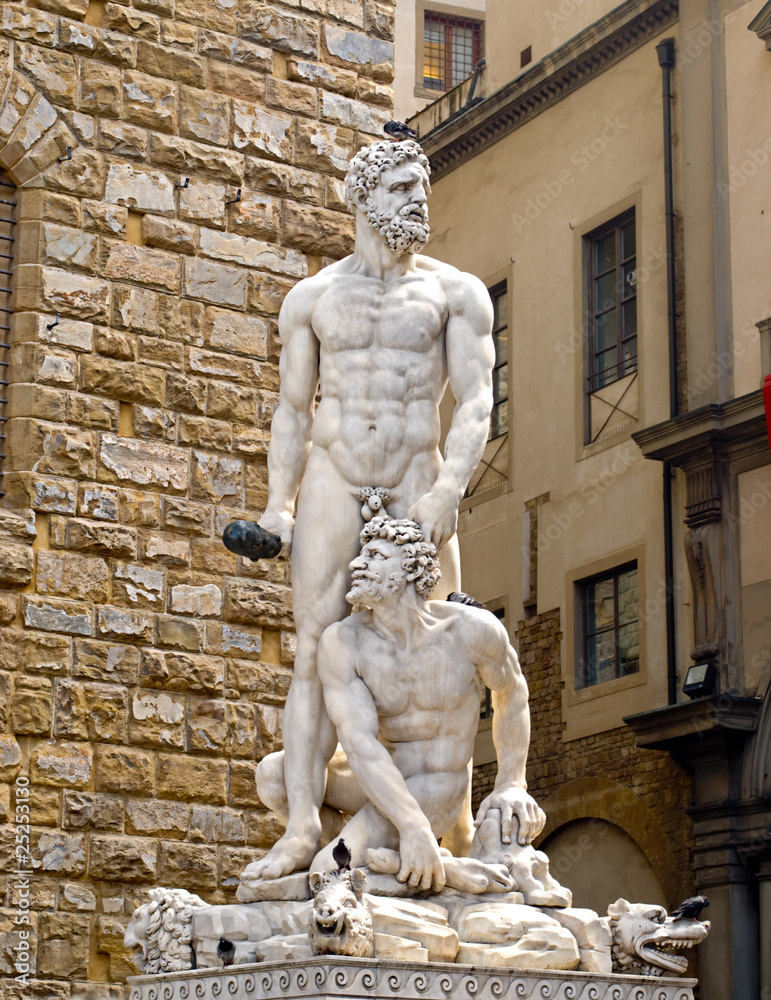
x: 665, y: 51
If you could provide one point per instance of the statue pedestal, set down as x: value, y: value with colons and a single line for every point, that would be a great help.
x: 329, y: 977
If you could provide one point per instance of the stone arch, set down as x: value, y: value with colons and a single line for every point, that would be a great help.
x: 612, y: 802
x: 32, y: 135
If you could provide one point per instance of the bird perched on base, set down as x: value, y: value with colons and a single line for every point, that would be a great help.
x: 342, y: 856
x: 226, y: 951
x: 399, y: 131
x: 690, y: 909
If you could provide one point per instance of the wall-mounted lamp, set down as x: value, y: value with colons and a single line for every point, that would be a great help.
x: 701, y: 680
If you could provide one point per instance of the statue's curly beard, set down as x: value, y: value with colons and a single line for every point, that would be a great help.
x: 405, y: 232
x: 366, y: 591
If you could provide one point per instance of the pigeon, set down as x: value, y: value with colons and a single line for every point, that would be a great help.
x: 399, y: 131
x: 458, y: 597
x: 226, y: 951
x: 690, y: 908
x: 342, y: 856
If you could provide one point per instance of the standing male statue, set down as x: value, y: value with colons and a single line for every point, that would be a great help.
x: 382, y: 332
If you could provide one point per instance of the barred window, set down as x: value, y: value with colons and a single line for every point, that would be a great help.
x: 612, y: 302
x: 499, y: 418
x: 609, y: 618
x: 452, y: 46
x: 7, y: 223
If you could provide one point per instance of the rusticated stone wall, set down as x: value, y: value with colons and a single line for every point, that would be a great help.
x: 178, y: 166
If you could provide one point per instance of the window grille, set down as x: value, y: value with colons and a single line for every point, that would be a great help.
x: 612, y: 302
x: 609, y: 617
x: 7, y: 223
x: 499, y: 418
x: 452, y: 47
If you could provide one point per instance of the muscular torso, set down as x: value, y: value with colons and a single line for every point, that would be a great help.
x: 383, y: 372
x: 427, y: 698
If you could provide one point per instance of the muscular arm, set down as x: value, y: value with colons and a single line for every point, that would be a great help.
x: 290, y: 439
x: 354, y: 714
x: 470, y: 360
x: 499, y: 669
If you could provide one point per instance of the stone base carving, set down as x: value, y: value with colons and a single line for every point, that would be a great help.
x: 329, y: 978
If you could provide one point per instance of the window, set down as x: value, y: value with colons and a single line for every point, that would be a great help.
x: 609, y: 619
x: 499, y: 418
x: 612, y: 302
x: 486, y: 700
x: 452, y: 46
x: 7, y: 222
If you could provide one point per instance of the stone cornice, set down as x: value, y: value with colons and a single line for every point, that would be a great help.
x: 761, y: 24
x: 363, y: 978
x: 566, y: 69
x: 738, y: 425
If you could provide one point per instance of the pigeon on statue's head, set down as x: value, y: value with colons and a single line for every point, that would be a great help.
x: 399, y: 131
x: 690, y: 909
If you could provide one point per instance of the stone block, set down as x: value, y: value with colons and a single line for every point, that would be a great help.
x: 93, y: 411
x: 334, y: 194
x: 252, y: 253
x: 144, y: 463
x: 318, y: 230
x: 269, y: 719
x: 16, y: 562
x: 340, y: 81
x: 219, y: 14
x: 204, y: 115
x: 45, y: 805
x: 281, y: 31
x: 55, y: 73
x: 110, y: 933
x: 149, y: 101
x: 232, y: 401
x: 263, y: 682
x: 219, y: 284
x: 151, y: 818
x: 103, y: 661
x: 10, y: 757
x: 65, y: 246
x: 203, y: 201
x: 99, y: 502
x: 34, y: 652
x: 9, y: 606
x: 367, y: 54
x: 117, y: 623
x: 348, y: 113
x: 70, y: 710
x: 217, y: 826
x: 221, y: 365
x: 144, y: 265
x: 126, y: 770
x: 132, y: 22
x: 110, y: 220
x: 257, y: 602
x: 59, y: 852
x: 217, y: 45
x: 170, y: 63
x: 166, y: 235
x: 178, y: 34
x: 138, y: 308
x: 52, y: 449
x: 236, y: 81
x: 96, y: 536
x: 189, y: 866
x: 243, y: 784
x: 139, y: 188
x: 63, y: 945
x: 51, y: 290
x: 141, y: 509
x: 122, y: 859
x: 83, y: 175
x: 49, y: 206
x: 31, y: 706
x: 123, y: 140
x: 162, y: 352
x: 196, y: 158
x: 138, y: 586
x: 258, y: 131
x: 298, y: 98
x: 211, y: 556
x: 152, y: 422
x: 202, y: 602
x: 182, y: 671
x: 200, y: 779
x: 53, y: 615
x: 323, y: 147
x: 217, y: 479
x: 226, y: 640
x: 186, y: 515
x: 262, y: 828
x: 100, y: 89
x: 379, y: 19
x: 62, y: 764
x: 267, y: 294
x: 27, y: 25
x: 168, y: 551
x: 225, y: 727
x: 178, y: 633
x: 113, y: 344
x: 69, y: 574
x: 203, y: 432
x: 77, y: 898
x: 257, y: 215
x: 375, y: 93
x: 157, y: 719
x: 282, y: 180
x: 86, y: 810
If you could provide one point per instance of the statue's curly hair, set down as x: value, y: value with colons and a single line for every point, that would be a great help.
x: 368, y: 164
x: 169, y: 929
x: 419, y: 559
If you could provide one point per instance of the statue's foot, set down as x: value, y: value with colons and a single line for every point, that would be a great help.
x: 289, y: 854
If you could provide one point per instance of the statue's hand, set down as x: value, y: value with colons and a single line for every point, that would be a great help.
x: 421, y: 862
x: 437, y: 514
x: 281, y: 524
x: 514, y: 800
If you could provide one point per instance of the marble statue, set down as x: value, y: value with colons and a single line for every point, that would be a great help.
x: 340, y: 922
x: 381, y: 333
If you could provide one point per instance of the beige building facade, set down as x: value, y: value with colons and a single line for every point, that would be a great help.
x: 621, y: 520
x: 168, y: 170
